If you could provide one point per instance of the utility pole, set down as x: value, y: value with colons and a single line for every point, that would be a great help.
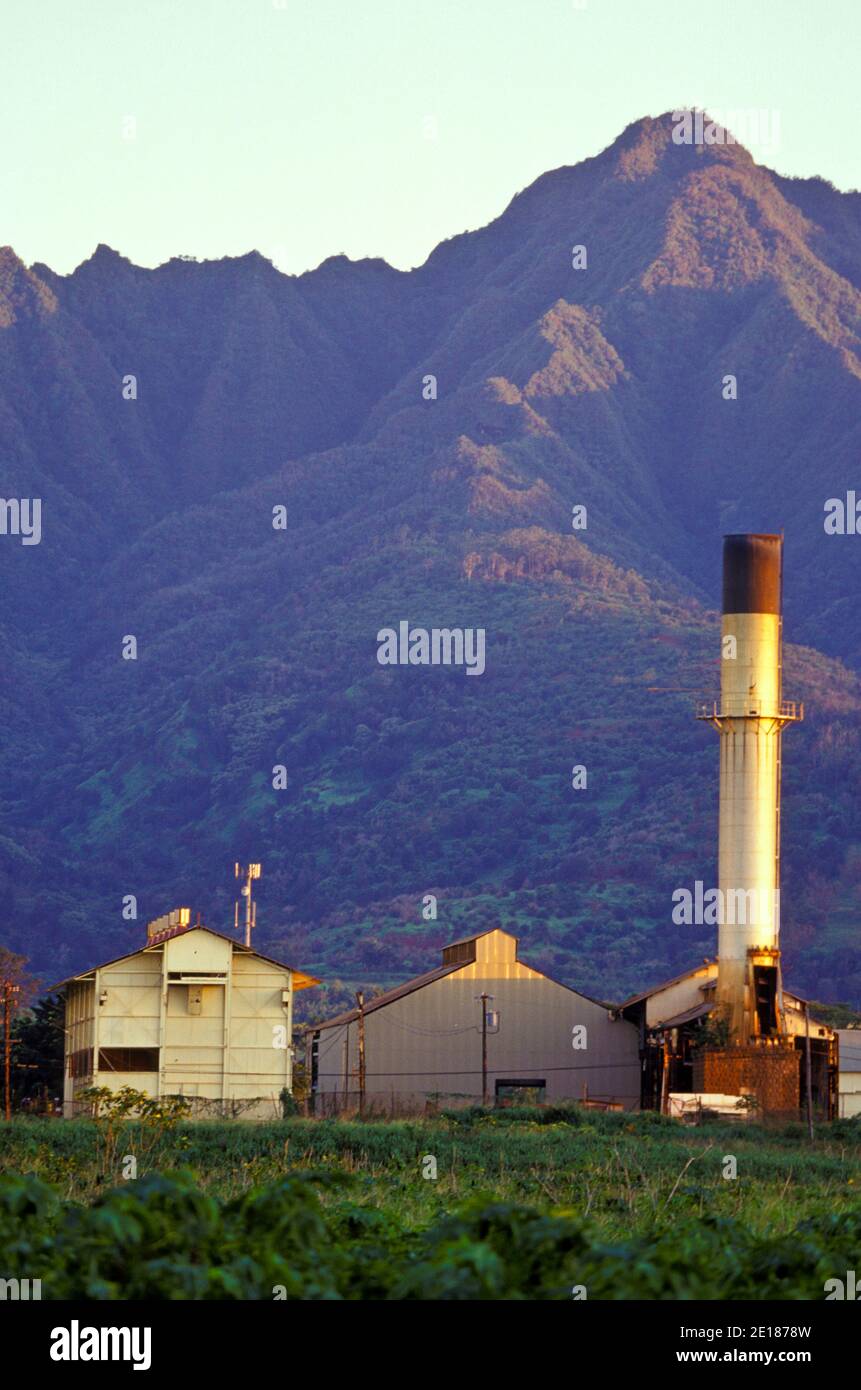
x: 808, y: 1078
x: 309, y: 1074
x: 665, y: 1078
x: 484, y: 998
x: 7, y: 1051
x: 8, y: 990
x: 360, y: 1001
x: 249, y: 872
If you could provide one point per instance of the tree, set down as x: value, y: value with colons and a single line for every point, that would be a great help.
x: 14, y: 969
x: 37, y: 1075
x: 16, y: 987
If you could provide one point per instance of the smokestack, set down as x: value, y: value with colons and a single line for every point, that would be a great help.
x: 750, y: 723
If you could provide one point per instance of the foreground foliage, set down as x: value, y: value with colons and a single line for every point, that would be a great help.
x: 518, y: 1203
x: 163, y: 1238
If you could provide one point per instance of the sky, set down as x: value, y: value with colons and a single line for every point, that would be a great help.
x: 310, y: 128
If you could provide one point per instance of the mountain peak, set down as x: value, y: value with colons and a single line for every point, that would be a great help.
x: 434, y: 435
x: 104, y: 257
x: 21, y: 291
x: 643, y: 145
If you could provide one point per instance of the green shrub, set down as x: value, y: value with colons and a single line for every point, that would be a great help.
x: 303, y: 1238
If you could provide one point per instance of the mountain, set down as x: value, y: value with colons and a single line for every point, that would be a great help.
x: 555, y: 387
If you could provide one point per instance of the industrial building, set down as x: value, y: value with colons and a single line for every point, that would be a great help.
x: 482, y: 1025
x: 728, y: 1027
x: 193, y: 1013
x: 771, y: 1070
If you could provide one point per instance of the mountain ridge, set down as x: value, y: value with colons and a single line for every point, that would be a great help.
x: 555, y: 387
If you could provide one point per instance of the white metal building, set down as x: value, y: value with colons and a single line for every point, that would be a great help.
x: 193, y: 1013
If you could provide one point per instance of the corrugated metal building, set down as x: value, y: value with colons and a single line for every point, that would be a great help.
x: 423, y: 1041
x: 194, y: 1013
x: 850, y: 1072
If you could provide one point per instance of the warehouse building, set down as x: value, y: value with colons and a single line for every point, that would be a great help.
x: 193, y: 1013
x: 483, y: 1024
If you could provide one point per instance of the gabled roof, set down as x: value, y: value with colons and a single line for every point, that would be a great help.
x: 477, y: 935
x: 431, y: 976
x: 666, y: 984
x: 300, y: 980
x: 697, y: 1010
x: 389, y: 997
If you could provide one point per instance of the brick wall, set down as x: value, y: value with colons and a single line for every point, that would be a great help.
x: 771, y: 1074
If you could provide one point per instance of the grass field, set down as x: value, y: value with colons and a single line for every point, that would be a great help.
x: 524, y: 1203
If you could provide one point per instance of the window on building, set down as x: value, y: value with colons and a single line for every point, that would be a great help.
x: 128, y: 1059
x: 196, y: 977
x: 530, y: 1092
x: 81, y: 1062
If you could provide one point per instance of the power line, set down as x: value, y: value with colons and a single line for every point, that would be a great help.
x: 467, y: 1071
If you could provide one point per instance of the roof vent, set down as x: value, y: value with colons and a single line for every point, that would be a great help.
x: 177, y: 920
x: 459, y: 953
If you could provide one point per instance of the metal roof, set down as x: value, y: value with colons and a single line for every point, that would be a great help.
x: 666, y: 984
x: 300, y: 979
x: 476, y: 936
x: 707, y: 984
x: 389, y: 997
x: 431, y: 976
x: 698, y: 1011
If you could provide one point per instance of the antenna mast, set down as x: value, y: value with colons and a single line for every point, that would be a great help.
x: 249, y: 872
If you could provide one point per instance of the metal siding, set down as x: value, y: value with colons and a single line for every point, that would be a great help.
x: 430, y: 1041
x: 849, y: 1080
x: 80, y: 1034
x: 850, y: 1103
x: 197, y: 950
x: 129, y: 1015
x: 139, y: 1081
x: 193, y: 1043
x: 677, y: 997
x: 258, y: 1068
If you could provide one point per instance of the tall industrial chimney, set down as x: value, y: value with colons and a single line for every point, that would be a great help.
x: 750, y: 722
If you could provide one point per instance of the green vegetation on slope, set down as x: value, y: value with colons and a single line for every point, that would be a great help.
x: 556, y: 388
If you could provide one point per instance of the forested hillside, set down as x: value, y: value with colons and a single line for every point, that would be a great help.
x: 600, y: 387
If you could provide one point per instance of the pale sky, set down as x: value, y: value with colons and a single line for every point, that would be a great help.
x: 310, y: 128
